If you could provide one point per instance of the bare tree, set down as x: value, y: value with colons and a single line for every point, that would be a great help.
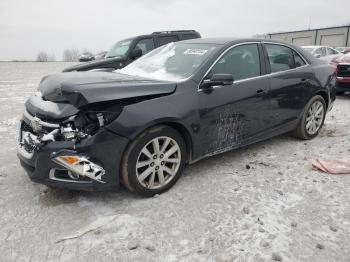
x: 51, y: 58
x: 42, y: 57
x: 71, y: 55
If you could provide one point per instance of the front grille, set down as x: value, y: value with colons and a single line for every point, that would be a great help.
x: 344, y: 70
x: 27, y: 138
x: 29, y: 147
x: 27, y: 128
x: 45, y: 127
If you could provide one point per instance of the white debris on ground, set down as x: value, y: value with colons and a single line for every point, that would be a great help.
x: 259, y: 203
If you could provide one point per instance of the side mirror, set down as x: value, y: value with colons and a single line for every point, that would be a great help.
x: 317, y: 55
x: 136, y: 53
x: 217, y: 80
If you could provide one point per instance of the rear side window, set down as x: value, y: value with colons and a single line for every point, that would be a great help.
x: 163, y: 40
x: 283, y: 58
x: 242, y: 62
x: 189, y: 36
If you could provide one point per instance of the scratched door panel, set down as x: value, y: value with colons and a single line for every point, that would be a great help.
x: 230, y: 115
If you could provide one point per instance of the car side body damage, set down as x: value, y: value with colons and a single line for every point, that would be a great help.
x: 100, y: 114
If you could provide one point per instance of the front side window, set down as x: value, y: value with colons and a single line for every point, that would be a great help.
x: 119, y: 49
x: 298, y: 60
x: 318, y: 51
x: 321, y: 51
x: 146, y: 45
x: 172, y: 62
x: 282, y: 58
x: 242, y: 62
x: 331, y: 51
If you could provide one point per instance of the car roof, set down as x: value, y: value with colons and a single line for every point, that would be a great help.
x: 316, y: 46
x: 226, y: 42
x: 231, y: 41
x: 168, y: 33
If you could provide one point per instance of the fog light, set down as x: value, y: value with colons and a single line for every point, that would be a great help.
x: 81, y: 166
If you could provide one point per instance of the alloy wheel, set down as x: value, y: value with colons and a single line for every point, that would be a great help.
x: 314, y: 118
x: 158, y: 162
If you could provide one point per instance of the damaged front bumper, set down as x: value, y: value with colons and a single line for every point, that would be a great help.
x: 93, y: 166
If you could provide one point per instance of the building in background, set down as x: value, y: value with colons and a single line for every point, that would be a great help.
x: 331, y: 36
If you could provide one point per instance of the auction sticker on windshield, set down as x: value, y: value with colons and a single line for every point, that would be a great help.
x: 195, y: 51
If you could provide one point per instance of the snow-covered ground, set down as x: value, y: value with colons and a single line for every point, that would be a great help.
x: 259, y: 203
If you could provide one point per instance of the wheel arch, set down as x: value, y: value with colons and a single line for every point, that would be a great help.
x: 324, y: 96
x: 184, y: 132
x: 179, y: 127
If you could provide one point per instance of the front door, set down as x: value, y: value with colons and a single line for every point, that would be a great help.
x: 235, y: 114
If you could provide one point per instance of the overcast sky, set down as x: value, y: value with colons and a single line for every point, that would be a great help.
x: 27, y: 27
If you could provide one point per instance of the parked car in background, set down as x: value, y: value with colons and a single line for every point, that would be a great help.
x: 343, y: 50
x: 128, y: 50
x: 86, y: 57
x: 342, y: 65
x: 100, y: 55
x: 325, y: 53
x: 181, y: 102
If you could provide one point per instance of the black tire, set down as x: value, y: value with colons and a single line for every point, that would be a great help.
x: 339, y: 93
x: 301, y: 130
x: 129, y: 178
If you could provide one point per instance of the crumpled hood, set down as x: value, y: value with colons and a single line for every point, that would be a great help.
x: 82, y: 88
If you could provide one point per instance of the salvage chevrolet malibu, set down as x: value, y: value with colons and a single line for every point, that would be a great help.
x: 184, y: 101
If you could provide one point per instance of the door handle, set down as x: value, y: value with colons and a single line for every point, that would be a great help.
x: 261, y: 93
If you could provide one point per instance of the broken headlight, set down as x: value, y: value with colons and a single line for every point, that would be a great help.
x: 87, y: 123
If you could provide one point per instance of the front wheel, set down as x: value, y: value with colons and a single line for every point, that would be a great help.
x: 312, y: 119
x: 154, y: 161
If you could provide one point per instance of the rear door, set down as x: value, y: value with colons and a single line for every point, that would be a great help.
x: 289, y: 83
x: 234, y: 114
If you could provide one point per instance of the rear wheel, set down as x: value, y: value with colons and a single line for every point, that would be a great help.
x: 154, y: 161
x: 312, y: 119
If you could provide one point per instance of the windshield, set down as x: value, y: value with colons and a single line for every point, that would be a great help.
x: 119, y: 49
x: 172, y: 62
